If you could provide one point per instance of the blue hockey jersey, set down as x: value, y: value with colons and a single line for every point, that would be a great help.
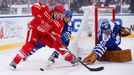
x: 108, y: 42
x: 66, y: 34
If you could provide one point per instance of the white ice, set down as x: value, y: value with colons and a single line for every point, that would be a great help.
x: 39, y: 59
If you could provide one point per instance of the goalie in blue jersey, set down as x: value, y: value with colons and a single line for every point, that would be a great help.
x: 65, y: 36
x: 107, y: 48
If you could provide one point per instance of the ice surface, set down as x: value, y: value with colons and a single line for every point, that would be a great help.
x: 61, y: 67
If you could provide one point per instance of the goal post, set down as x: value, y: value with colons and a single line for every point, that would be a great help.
x: 102, y: 13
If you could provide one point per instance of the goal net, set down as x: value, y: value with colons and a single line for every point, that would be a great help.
x: 87, y: 33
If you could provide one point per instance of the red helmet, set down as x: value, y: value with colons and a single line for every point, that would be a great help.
x: 60, y: 8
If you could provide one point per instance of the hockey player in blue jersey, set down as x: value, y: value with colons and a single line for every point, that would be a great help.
x: 65, y: 36
x: 108, y: 39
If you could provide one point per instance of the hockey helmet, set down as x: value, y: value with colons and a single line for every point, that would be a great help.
x: 60, y: 8
x: 68, y: 14
x: 106, y: 27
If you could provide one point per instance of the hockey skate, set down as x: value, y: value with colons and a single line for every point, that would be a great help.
x: 50, y: 62
x: 75, y: 62
x: 54, y: 55
x: 12, y: 66
x: 51, y: 59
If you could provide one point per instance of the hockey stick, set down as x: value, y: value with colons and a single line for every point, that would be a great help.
x: 90, y: 69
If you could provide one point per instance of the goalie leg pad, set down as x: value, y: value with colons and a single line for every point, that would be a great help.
x: 116, y: 56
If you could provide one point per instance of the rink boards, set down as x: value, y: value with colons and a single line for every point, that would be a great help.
x: 13, y: 29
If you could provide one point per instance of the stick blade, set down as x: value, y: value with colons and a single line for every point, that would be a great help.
x: 41, y: 69
x: 97, y: 69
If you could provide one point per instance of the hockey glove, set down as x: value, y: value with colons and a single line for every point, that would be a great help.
x: 124, y: 32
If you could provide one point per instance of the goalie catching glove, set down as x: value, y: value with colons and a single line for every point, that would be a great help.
x: 124, y: 32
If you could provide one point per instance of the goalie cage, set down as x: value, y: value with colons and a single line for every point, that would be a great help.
x: 89, y: 27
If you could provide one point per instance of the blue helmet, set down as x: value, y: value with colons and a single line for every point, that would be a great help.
x: 68, y: 14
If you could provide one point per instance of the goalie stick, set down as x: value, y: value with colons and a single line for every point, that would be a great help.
x: 90, y: 69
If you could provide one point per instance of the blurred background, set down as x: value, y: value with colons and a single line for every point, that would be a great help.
x: 8, y: 7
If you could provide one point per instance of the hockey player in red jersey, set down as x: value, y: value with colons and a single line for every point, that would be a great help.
x: 65, y: 36
x: 46, y: 28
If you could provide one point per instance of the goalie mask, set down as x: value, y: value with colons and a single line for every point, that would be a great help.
x: 68, y: 14
x: 106, y: 28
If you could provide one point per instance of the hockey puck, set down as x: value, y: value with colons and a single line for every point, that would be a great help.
x: 41, y: 69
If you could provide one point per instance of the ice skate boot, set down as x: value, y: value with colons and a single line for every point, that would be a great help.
x: 12, y: 65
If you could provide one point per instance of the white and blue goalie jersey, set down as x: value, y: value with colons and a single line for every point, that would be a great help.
x: 108, y: 41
